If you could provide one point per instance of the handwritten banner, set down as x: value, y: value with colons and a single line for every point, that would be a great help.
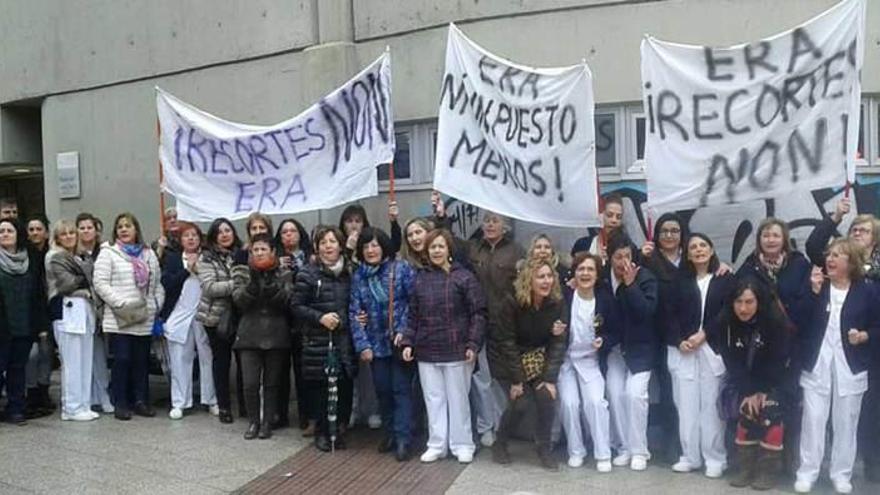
x: 754, y: 121
x: 516, y: 140
x: 324, y: 157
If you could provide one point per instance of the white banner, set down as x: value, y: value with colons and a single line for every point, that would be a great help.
x: 516, y: 140
x: 324, y: 157
x: 758, y: 120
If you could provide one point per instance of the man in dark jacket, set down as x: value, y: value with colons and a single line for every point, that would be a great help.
x: 596, y: 240
x: 494, y: 257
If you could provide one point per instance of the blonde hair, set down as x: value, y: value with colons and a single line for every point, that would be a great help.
x: 60, y: 227
x: 523, y: 283
x: 554, y: 258
x: 854, y: 252
x: 415, y: 259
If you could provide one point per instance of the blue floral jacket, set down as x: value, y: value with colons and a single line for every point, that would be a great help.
x: 369, y: 293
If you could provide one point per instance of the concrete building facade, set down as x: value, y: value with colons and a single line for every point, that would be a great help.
x: 78, y: 76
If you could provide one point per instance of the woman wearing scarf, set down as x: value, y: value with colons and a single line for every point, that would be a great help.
x: 20, y: 314
x: 263, y: 338
x: 320, y: 303
x: 184, y: 334
x: 127, y: 280
x: 294, y: 250
x: 72, y: 309
x: 377, y: 280
x: 215, y: 306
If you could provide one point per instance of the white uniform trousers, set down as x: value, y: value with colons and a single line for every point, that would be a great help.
x: 582, y: 395
x: 181, y: 357
x: 100, y: 375
x: 695, y: 389
x: 844, y: 424
x: 487, y: 396
x: 628, y: 399
x: 76, y: 368
x: 445, y: 387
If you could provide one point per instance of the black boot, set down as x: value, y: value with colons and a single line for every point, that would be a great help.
x: 265, y: 430
x: 322, y: 443
x: 225, y: 416
x: 769, y: 466
x: 143, y: 409
x: 386, y: 445
x: 33, y: 405
x: 252, y: 431
x: 499, y: 452
x: 46, y: 400
x: 747, y: 458
x: 545, y: 455
x: 402, y: 452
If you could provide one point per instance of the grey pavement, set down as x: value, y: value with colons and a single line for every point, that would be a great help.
x: 198, y: 455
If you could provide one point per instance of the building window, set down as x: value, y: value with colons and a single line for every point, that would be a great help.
x: 402, y: 163
x: 606, y: 141
x: 635, y: 143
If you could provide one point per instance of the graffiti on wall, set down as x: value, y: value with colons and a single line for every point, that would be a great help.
x: 731, y: 227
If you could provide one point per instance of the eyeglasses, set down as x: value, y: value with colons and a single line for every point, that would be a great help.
x: 860, y: 230
x: 670, y: 232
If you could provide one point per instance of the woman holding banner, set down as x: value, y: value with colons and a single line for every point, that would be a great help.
x: 215, y: 311
x: 612, y: 220
x: 693, y: 359
x: 834, y: 358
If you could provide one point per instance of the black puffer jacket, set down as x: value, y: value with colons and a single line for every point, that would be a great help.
x: 318, y: 291
x: 261, y: 299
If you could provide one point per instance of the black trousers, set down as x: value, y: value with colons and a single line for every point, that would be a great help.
x: 222, y: 350
x: 869, y: 422
x: 316, y: 395
x: 302, y: 405
x: 262, y: 368
x: 516, y: 409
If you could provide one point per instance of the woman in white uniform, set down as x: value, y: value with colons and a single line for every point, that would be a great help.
x: 68, y: 281
x: 580, y: 382
x: 184, y: 334
x: 834, y: 358
x: 694, y: 363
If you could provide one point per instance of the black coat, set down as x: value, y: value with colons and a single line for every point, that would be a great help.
x: 859, y: 311
x: 261, y: 299
x: 686, y: 304
x: 318, y: 291
x: 769, y: 369
x: 174, y: 275
x: 791, y: 285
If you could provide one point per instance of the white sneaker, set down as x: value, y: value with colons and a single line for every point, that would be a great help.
x: 803, y: 486
x: 714, y: 471
x: 80, y: 416
x: 622, y: 460
x: 214, y: 410
x: 487, y: 439
x: 842, y: 486
x: 639, y: 463
x: 374, y: 422
x: 176, y: 413
x: 108, y: 408
x: 575, y: 461
x: 432, y: 455
x: 465, y: 457
x: 603, y: 466
x: 93, y: 414
x: 683, y: 466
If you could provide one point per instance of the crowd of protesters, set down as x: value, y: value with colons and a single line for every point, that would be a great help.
x: 458, y: 340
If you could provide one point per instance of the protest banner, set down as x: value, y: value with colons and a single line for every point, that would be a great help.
x: 516, y: 140
x: 323, y: 157
x: 756, y: 120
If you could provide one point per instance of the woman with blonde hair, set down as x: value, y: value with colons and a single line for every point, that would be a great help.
x: 541, y: 248
x: 72, y: 310
x: 531, y: 345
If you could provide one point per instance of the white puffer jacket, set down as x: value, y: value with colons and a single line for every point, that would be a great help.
x: 114, y: 284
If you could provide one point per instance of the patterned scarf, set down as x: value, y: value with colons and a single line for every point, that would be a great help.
x: 374, y: 281
x: 772, y: 268
x: 138, y: 265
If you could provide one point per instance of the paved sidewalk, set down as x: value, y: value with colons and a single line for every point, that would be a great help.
x: 198, y: 455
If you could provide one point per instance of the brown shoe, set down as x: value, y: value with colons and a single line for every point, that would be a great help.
x: 309, y: 430
x: 747, y: 458
x: 769, y: 466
